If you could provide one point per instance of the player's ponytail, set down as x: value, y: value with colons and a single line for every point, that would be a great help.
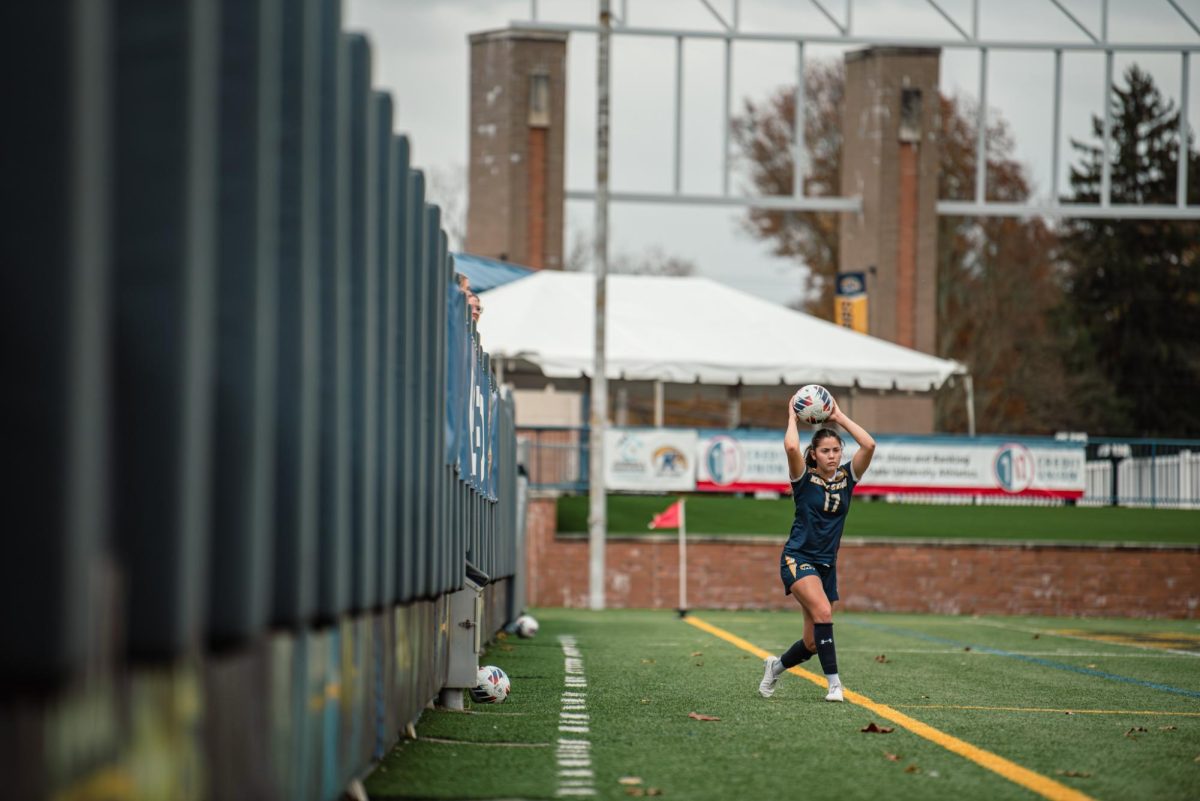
x: 810, y: 459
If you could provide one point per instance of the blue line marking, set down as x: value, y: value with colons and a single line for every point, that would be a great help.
x: 1034, y: 659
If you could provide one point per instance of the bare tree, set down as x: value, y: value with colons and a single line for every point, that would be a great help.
x: 998, y: 279
x: 447, y: 187
x: 651, y: 261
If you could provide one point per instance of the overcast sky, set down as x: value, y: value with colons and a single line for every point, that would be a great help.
x: 421, y: 56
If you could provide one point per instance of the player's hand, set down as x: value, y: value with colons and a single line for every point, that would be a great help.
x: 836, y: 415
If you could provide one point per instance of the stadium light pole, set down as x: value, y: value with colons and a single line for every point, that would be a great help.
x: 597, y: 514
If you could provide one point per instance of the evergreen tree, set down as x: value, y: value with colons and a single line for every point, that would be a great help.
x: 1132, y: 303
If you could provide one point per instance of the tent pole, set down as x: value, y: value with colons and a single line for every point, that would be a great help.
x: 969, y: 387
x: 658, y: 404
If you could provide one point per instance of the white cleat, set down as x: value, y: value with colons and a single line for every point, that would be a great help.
x: 834, y: 694
x: 766, y: 687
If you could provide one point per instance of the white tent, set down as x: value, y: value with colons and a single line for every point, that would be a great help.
x: 685, y: 330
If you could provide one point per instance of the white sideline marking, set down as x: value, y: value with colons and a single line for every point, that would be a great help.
x: 573, y: 753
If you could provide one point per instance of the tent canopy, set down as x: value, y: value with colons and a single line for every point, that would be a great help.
x: 484, y: 274
x: 687, y: 330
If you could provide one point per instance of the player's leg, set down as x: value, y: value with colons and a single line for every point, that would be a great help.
x: 810, y: 592
x: 773, y: 667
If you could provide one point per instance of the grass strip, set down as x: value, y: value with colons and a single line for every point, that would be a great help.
x: 646, y: 674
x: 1042, y: 785
x: 708, y: 514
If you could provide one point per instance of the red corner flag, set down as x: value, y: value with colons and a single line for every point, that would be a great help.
x: 668, y: 518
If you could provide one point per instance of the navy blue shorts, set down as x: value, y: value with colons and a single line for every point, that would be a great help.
x: 792, y: 569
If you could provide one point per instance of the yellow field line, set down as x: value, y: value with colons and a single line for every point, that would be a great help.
x: 1056, y: 711
x: 1042, y: 785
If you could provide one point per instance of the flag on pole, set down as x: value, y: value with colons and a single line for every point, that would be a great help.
x: 669, y: 517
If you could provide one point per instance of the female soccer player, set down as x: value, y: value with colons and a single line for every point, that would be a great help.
x: 821, y: 489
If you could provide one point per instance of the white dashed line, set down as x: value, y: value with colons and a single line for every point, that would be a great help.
x: 573, y: 752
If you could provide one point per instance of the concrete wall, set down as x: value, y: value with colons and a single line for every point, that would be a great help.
x: 937, y: 577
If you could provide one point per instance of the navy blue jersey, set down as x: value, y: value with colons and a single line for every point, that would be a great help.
x: 821, y: 508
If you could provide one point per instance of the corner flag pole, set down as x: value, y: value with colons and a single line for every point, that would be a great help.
x: 683, y: 607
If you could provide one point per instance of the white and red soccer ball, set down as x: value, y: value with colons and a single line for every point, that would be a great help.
x: 491, y: 685
x: 812, y: 403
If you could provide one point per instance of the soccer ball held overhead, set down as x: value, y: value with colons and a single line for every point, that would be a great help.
x: 812, y: 403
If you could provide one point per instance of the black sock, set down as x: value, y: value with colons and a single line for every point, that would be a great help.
x: 823, y: 634
x: 796, y: 654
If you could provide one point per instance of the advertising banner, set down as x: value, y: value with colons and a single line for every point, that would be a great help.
x: 737, y: 461
x: 850, y: 302
x: 650, y: 459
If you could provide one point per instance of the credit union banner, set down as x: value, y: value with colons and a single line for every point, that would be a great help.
x: 739, y: 461
x: 650, y: 459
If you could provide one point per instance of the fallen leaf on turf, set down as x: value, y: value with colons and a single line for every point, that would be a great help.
x: 647, y: 661
x: 892, y: 757
x: 698, y: 716
x: 505, y: 647
x: 1092, y: 665
x: 1131, y: 732
x: 913, y: 769
x: 630, y: 780
x: 501, y: 635
x: 1197, y: 758
x: 873, y: 729
x: 638, y: 791
x: 653, y: 791
x: 882, y: 659
x: 697, y: 653
x: 1075, y: 774
x: 1167, y: 728
x: 645, y: 700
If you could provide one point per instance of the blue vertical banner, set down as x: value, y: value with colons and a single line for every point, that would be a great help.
x: 475, y: 436
x: 457, y: 337
x: 493, y: 440
x: 464, y: 403
x: 485, y: 426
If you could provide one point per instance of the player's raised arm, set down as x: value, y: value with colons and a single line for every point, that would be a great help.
x: 791, y: 444
x: 866, y: 443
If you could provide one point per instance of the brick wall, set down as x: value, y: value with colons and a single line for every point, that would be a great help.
x: 1069, y: 580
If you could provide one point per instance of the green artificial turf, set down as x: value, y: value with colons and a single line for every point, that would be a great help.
x: 708, y: 514
x: 1111, y: 720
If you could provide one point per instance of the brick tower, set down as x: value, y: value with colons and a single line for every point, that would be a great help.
x: 890, y: 158
x: 518, y: 134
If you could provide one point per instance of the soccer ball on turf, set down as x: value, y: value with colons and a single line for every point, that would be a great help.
x: 527, y: 626
x: 491, y: 685
x: 812, y: 403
